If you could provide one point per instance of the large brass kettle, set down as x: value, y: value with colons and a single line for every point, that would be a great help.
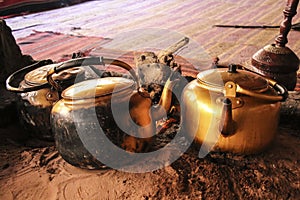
x: 119, y: 105
x: 231, y: 110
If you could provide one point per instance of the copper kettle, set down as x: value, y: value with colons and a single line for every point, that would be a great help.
x: 121, y: 107
x: 231, y: 110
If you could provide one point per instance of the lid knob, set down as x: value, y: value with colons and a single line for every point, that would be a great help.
x: 232, y: 68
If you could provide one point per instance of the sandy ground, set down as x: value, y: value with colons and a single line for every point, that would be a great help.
x: 32, y: 169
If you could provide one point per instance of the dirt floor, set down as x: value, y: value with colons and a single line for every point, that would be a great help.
x: 33, y: 169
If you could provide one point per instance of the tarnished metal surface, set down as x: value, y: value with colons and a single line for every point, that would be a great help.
x: 34, y: 107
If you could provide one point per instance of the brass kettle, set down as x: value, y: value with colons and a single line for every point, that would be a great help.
x: 121, y: 107
x: 231, y: 110
x: 36, y: 97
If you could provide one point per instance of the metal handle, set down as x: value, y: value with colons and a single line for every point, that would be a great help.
x: 22, y: 72
x: 282, y: 91
x: 88, y: 61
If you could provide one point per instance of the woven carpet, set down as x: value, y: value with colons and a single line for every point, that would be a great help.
x: 56, y: 46
x: 60, y: 47
x: 192, y: 18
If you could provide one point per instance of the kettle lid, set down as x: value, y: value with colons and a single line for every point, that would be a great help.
x: 39, y: 75
x: 97, y: 88
x: 220, y: 76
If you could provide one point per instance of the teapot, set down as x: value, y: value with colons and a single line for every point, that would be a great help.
x: 119, y: 105
x: 36, y: 96
x: 231, y: 110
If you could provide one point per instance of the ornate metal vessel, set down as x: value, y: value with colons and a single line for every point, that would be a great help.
x: 276, y: 61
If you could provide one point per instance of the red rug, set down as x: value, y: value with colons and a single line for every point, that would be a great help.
x: 57, y: 46
x: 60, y: 47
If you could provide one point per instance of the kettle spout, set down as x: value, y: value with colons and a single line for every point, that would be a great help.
x: 227, y: 125
x: 161, y: 109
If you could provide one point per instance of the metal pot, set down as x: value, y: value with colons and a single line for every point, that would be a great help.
x: 232, y: 110
x: 123, y: 110
x: 36, y: 97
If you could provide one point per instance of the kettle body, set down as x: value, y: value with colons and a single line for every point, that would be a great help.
x: 231, y: 110
x: 36, y: 97
x: 96, y: 115
x: 104, y: 116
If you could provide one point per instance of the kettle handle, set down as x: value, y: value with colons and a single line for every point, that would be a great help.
x: 22, y: 72
x: 89, y: 61
x: 282, y: 91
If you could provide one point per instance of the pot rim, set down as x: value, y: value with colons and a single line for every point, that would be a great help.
x: 91, y: 89
x: 38, y: 76
x: 216, y: 79
x: 271, y: 91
